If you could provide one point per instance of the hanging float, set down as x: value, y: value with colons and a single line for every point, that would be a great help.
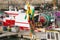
x: 43, y: 19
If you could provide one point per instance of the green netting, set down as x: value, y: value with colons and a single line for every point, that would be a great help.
x: 1, y: 12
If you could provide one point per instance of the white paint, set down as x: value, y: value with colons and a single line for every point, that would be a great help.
x: 20, y: 18
x: 22, y: 25
x: 14, y: 12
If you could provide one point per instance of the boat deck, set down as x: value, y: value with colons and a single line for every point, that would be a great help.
x: 8, y: 34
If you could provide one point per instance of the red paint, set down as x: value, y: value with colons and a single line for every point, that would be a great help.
x: 12, y: 14
x: 24, y: 28
x: 9, y: 22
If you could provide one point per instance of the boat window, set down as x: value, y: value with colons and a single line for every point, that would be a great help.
x: 52, y: 35
x: 48, y: 35
x: 12, y: 9
x: 22, y: 11
x: 56, y: 36
x: 7, y: 15
x: 0, y: 23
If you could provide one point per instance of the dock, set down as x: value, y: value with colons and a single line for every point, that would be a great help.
x: 8, y: 34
